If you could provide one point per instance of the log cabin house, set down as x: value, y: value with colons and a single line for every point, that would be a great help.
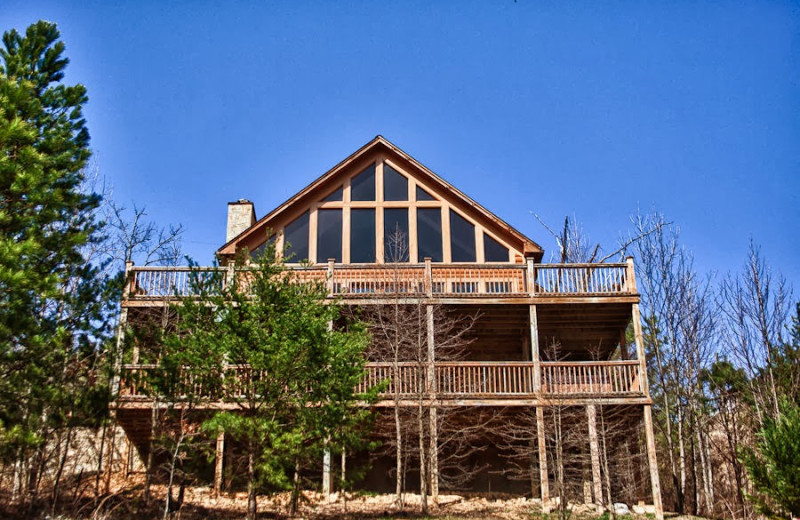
x: 458, y: 256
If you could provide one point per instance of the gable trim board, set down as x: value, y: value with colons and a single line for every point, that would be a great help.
x: 379, y: 151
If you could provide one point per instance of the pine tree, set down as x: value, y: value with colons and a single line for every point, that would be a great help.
x: 265, y: 342
x: 52, y: 312
x: 772, y: 465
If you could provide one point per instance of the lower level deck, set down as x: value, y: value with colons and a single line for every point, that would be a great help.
x: 465, y: 383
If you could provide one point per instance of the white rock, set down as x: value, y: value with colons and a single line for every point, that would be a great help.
x: 621, y: 509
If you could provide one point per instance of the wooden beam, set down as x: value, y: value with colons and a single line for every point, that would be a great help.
x: 655, y: 484
x: 312, y: 237
x: 537, y: 374
x: 637, y: 332
x: 543, y: 478
x: 594, y: 450
x: 346, y: 234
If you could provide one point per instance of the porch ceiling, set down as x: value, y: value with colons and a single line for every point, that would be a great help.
x: 582, y: 331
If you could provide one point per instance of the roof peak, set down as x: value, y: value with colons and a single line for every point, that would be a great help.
x: 329, y: 177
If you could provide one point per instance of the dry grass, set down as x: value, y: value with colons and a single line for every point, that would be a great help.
x: 125, y: 503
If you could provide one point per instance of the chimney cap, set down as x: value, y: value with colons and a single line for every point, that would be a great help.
x: 240, y: 201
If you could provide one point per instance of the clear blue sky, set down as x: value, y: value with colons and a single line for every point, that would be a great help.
x: 554, y: 107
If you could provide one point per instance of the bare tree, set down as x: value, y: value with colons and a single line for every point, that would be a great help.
x: 574, y: 245
x: 405, y: 330
x: 135, y: 238
x: 730, y: 426
x: 756, y: 306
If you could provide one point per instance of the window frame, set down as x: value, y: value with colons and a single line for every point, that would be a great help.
x: 379, y: 205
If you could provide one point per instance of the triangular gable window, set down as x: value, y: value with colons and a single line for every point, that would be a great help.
x: 395, y: 185
x: 362, y: 186
x: 423, y: 195
x: 336, y: 196
x: 494, y: 251
x: 462, y: 238
x: 295, y: 239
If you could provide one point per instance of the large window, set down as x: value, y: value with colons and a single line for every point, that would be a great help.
x: 429, y: 234
x: 256, y: 253
x: 462, y: 239
x: 395, y: 235
x: 423, y: 195
x: 494, y: 251
x: 395, y: 185
x: 295, y: 239
x: 362, y: 235
x: 335, y: 196
x: 389, y: 217
x: 362, y: 186
x: 329, y: 235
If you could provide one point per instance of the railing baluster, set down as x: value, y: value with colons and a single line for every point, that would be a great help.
x: 452, y: 378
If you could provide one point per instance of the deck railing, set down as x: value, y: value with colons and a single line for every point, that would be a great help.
x: 441, y: 280
x: 450, y: 380
x: 609, y: 377
x: 581, y: 279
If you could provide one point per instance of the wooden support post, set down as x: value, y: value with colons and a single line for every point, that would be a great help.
x: 531, y: 276
x: 537, y: 376
x: 594, y: 450
x: 630, y: 276
x: 543, y: 478
x: 327, y: 477
x: 637, y: 332
x: 431, y: 368
x: 329, y: 276
x: 230, y: 275
x: 219, y: 461
x: 432, y: 388
x: 121, y: 327
x: 428, y: 283
x: 637, y: 329
x: 655, y: 483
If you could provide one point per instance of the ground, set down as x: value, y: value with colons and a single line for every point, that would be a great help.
x: 125, y: 503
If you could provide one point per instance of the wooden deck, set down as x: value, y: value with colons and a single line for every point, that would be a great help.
x: 427, y: 280
x: 482, y: 383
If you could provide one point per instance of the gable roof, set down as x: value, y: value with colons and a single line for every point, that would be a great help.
x: 333, y: 176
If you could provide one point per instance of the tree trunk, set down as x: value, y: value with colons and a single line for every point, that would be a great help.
x: 251, y: 482
x: 295, y: 489
x: 148, y: 476
x: 100, y: 462
x: 708, y: 475
x: 681, y: 463
x: 60, y: 470
x: 112, y: 444
x: 398, y: 457
x: 172, y: 466
x: 423, y: 477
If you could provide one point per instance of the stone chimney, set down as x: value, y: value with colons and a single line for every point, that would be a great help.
x: 241, y: 215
